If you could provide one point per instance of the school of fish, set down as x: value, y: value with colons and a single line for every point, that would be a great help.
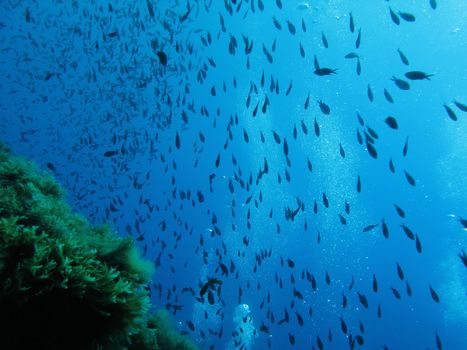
x: 213, y: 133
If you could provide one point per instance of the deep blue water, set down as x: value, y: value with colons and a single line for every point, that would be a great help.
x: 82, y: 78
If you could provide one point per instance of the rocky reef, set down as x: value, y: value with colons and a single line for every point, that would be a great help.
x: 66, y: 284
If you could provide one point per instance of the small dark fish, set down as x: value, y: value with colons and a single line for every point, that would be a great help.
x: 112, y: 34
x: 359, y: 185
x: 276, y: 23
x: 396, y: 293
x: 406, y: 147
x: 375, y: 284
x: 315, y: 63
x: 177, y: 140
x: 401, y: 84
x: 342, y: 219
x: 463, y: 222
x: 187, y: 13
x: 418, y: 244
x: 351, y: 55
x: 394, y: 17
x: 190, y: 325
x: 343, y: 326
x: 408, y: 17
x: 324, y: 40
x: 363, y: 300
x: 388, y: 96
x: 50, y: 166
x: 359, y: 38
x: 370, y: 93
x: 418, y: 75
x: 439, y: 345
x: 351, y: 23
x: 408, y: 232
x: 399, y: 211
x: 400, y: 272
x: 162, y: 57
x: 291, y: 28
x: 434, y: 295
x: 409, y: 178
x: 316, y: 128
x: 391, y: 166
x: 150, y: 8
x: 344, y: 301
x: 277, y: 138
x: 371, y: 150
x: 325, y: 200
x: 324, y: 107
x: 433, y: 4
x: 325, y: 71
x: 110, y: 153
x: 403, y: 57
x: 291, y: 339
x: 450, y: 112
x: 461, y: 106
x: 385, y: 229
x: 302, y: 51
x: 342, y: 152
x: 369, y: 227
x: 463, y: 256
x: 392, y: 122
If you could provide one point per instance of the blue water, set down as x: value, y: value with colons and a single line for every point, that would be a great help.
x: 79, y: 79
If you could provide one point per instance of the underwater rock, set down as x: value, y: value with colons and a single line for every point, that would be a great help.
x: 64, y: 283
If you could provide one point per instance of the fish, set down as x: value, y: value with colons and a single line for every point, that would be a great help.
x: 394, y: 17
x: 375, y: 284
x: 408, y: 232
x: 385, y: 229
x: 110, y: 153
x: 463, y: 256
x: 400, y: 272
x: 291, y: 28
x: 401, y: 84
x: 324, y: 107
x: 434, y: 295
x: 351, y: 55
x: 359, y: 38
x: 406, y: 147
x: 369, y: 228
x: 450, y: 112
x: 391, y: 122
x: 351, y: 23
x: 417, y: 75
x: 461, y: 106
x: 324, y: 40
x: 388, y: 96
x: 408, y: 17
x: 370, y: 93
x: 162, y: 57
x: 325, y: 71
x: 409, y: 178
x: 403, y: 57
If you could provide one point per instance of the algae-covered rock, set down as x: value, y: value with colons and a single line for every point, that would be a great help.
x: 65, y: 284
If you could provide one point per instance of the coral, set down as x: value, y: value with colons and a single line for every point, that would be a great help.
x: 64, y: 283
